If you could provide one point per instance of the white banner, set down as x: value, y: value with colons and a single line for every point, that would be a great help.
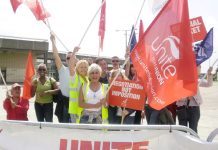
x: 15, y: 136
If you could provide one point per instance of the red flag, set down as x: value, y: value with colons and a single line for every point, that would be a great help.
x: 141, y: 29
x: 164, y: 59
x: 37, y: 9
x: 15, y: 4
x: 102, y: 24
x: 28, y: 77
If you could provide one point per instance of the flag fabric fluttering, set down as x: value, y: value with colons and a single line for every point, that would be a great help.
x: 204, y: 49
x: 30, y: 72
x: 141, y: 29
x: 132, y: 39
x: 164, y: 59
x: 15, y: 4
x: 101, y: 31
x: 37, y: 9
x: 34, y: 5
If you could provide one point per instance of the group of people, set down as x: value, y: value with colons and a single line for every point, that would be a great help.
x: 81, y: 95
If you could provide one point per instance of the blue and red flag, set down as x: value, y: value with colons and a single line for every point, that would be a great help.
x: 132, y: 39
x: 204, y: 49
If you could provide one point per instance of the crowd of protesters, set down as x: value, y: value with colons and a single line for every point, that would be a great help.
x: 80, y: 95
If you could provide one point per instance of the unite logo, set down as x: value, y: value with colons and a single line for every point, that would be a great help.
x: 166, y: 53
x: 101, y: 145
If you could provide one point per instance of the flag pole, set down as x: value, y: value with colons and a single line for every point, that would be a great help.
x: 49, y: 27
x: 127, y: 59
x: 99, y: 48
x: 3, y: 79
x: 89, y: 25
x: 124, y: 108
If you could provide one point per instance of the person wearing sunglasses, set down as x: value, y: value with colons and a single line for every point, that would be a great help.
x: 116, y: 64
x: 44, y: 87
x: 15, y: 105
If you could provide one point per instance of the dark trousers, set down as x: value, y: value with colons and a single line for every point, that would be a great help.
x: 189, y: 116
x: 61, y: 110
x: 138, y: 117
x: 44, y: 112
x: 112, y: 115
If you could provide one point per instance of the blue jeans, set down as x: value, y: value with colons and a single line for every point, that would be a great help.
x: 189, y: 116
x: 44, y: 112
x: 154, y: 117
x: 85, y: 119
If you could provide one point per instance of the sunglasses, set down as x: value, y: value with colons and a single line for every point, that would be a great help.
x: 41, y: 69
x: 115, y: 60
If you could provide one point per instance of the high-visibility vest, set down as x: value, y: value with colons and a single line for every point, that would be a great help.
x: 74, y: 96
x: 104, y: 110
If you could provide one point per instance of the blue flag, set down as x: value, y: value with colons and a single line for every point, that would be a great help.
x: 204, y: 50
x: 132, y: 41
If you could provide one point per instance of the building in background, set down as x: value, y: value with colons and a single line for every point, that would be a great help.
x: 14, y: 53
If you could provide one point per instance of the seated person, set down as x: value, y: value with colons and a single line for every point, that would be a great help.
x: 15, y: 106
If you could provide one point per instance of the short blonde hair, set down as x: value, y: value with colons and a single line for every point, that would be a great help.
x: 79, y: 63
x: 94, y: 67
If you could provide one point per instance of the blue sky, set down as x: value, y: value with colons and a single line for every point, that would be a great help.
x: 69, y: 19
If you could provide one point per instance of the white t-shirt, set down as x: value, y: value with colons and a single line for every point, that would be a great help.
x: 94, y: 97
x: 64, y: 78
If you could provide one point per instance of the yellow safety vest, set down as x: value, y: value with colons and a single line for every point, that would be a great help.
x: 74, y: 96
x: 104, y: 110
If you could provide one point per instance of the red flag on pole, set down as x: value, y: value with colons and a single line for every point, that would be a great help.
x: 37, y: 9
x: 30, y: 72
x: 15, y: 4
x: 164, y: 58
x: 34, y: 5
x: 102, y: 24
x: 141, y: 29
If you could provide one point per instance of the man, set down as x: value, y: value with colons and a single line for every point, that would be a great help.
x: 64, y: 76
x: 105, y: 74
x: 116, y: 64
x: 15, y: 106
x: 188, y: 109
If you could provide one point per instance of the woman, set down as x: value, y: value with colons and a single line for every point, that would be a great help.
x: 15, y: 106
x: 92, y: 98
x: 44, y: 87
x: 188, y: 109
x: 78, y: 73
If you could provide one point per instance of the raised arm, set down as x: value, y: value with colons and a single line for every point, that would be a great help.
x: 73, y: 60
x: 209, y: 81
x: 56, y: 56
